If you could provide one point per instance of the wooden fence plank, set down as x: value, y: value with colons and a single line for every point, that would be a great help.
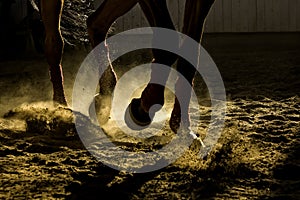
x: 298, y: 15
x: 252, y: 15
x: 244, y: 15
x: 284, y: 17
x: 235, y: 18
x: 260, y: 16
x: 269, y: 14
x: 278, y: 13
x: 218, y: 16
x: 210, y: 20
x: 227, y: 13
x: 292, y: 15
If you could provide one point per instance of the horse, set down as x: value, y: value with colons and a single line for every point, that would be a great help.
x: 98, y: 25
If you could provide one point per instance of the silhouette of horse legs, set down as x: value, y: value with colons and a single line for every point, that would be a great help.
x: 194, y: 19
x: 99, y: 23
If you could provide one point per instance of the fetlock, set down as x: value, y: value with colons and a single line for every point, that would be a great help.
x: 175, y: 119
x: 179, y: 117
x: 58, y: 88
x: 153, y: 94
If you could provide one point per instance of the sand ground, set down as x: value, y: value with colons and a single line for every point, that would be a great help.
x: 256, y: 156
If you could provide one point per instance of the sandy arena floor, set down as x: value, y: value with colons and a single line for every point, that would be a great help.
x: 257, y: 156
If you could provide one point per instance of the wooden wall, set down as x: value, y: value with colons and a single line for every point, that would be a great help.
x: 254, y: 16
x: 226, y: 15
x: 232, y: 16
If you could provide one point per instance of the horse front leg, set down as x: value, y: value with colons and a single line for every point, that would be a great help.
x: 194, y: 19
x: 138, y: 112
x: 157, y: 14
x: 51, y: 15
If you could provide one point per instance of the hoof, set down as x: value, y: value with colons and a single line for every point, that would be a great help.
x: 135, y: 117
x: 177, y: 120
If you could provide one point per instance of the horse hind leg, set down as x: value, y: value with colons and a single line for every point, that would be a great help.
x: 194, y: 19
x: 51, y: 15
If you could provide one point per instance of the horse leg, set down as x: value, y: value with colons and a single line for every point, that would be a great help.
x: 51, y: 15
x: 98, y: 25
x: 157, y: 14
x: 194, y: 19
